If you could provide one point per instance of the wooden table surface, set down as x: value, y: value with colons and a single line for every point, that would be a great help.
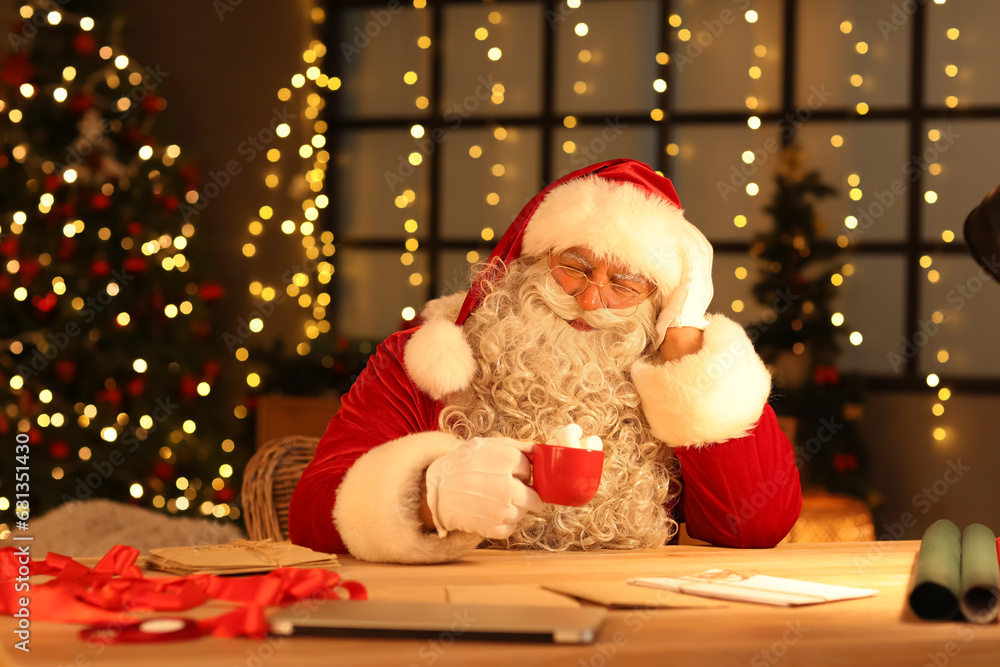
x: 873, y: 631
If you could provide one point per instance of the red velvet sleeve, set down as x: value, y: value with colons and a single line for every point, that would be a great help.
x: 382, y: 405
x: 743, y: 492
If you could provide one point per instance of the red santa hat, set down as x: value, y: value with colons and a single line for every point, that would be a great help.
x: 620, y: 209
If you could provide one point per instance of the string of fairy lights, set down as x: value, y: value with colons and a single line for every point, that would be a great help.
x: 294, y: 205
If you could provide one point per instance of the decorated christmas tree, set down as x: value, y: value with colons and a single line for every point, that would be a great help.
x: 109, y: 366
x: 800, y: 335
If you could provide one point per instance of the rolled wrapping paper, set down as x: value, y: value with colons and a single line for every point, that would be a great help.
x: 937, y: 580
x: 980, y: 599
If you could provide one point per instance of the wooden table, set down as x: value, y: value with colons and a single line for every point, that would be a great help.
x: 874, y: 631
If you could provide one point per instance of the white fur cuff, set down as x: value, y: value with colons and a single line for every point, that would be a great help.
x: 378, y: 504
x: 712, y: 395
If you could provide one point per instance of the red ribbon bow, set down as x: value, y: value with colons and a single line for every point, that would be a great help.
x: 111, y: 591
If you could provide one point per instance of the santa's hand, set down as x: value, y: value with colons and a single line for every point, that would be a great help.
x: 686, y: 305
x: 480, y: 487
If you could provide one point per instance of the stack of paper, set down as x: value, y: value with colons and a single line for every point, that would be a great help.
x: 239, y: 557
x: 727, y: 585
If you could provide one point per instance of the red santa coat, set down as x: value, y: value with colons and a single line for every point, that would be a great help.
x: 743, y: 492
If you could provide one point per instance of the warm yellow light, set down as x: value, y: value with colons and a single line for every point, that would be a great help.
x: 752, y: 189
x: 408, y: 313
x: 837, y: 279
x: 951, y: 70
x: 857, y: 80
x: 139, y: 365
x: 837, y: 319
x: 581, y: 29
x: 737, y: 306
x: 753, y: 122
x: 109, y: 434
x: 475, y: 151
x: 933, y: 380
x: 861, y: 47
x: 410, y: 78
x: 123, y: 319
x: 953, y: 33
x: 673, y: 149
x: 755, y: 72
x: 944, y: 394
x: 942, y: 356
x: 855, y: 194
x: 253, y: 380
x: 675, y: 20
x: 146, y: 152
x: 951, y: 101
x: 856, y: 338
x: 424, y: 42
x: 584, y: 55
x: 135, y: 490
x: 930, y: 197
x: 204, y: 389
x: 862, y: 108
x: 659, y: 85
x: 662, y: 58
x: 568, y: 146
x: 580, y: 87
x: 933, y: 276
x: 947, y: 236
x: 494, y: 54
x: 751, y: 16
x: 846, y: 27
x: 934, y: 134
x: 472, y: 257
x: 940, y: 433
x: 836, y: 141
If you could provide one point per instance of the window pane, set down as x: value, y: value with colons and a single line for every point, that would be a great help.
x: 711, y: 178
x: 373, y: 172
x: 965, y: 153
x: 858, y: 50
x: 714, y: 66
x: 595, y: 71
x: 472, y: 76
x: 968, y: 302
x: 588, y: 144
x: 873, y: 302
x: 734, y: 295
x: 374, y: 287
x: 874, y: 156
x: 454, y: 268
x: 972, y: 48
x: 487, y: 180
x: 376, y: 50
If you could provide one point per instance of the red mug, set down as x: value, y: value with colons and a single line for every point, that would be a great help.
x: 565, y: 475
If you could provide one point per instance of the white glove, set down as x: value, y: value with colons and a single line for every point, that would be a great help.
x: 481, y: 487
x: 686, y: 305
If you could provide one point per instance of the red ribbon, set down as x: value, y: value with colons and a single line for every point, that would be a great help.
x: 109, y: 592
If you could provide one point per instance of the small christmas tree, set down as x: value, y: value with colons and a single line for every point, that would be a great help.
x: 800, y: 336
x: 108, y: 360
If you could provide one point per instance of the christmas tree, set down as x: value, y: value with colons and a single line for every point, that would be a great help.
x: 799, y: 336
x: 109, y: 366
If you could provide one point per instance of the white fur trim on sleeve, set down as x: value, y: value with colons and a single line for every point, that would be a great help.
x: 444, y: 307
x: 378, y: 504
x: 715, y: 394
x: 438, y: 358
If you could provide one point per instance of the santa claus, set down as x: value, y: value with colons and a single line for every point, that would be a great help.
x: 591, y: 310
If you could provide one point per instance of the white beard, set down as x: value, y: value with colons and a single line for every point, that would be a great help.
x: 536, y: 374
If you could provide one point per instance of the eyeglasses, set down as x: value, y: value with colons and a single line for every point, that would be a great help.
x: 622, y: 298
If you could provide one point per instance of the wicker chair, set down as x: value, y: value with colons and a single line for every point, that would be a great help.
x: 268, y: 482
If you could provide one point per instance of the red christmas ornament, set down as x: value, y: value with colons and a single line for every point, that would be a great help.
x: 134, y: 228
x: 16, y: 69
x: 66, y: 370
x: 211, y: 291
x: 136, y: 386
x: 100, y: 268
x: 100, y: 202
x: 163, y: 470
x: 826, y: 375
x: 30, y: 268
x: 84, y: 44
x: 151, y: 104
x: 34, y: 436
x: 66, y: 247
x: 111, y: 396
x: 211, y: 369
x: 171, y: 203
x: 59, y: 450
x: 9, y: 246
x: 189, y: 386
x: 52, y: 183
x: 81, y: 103
x: 201, y: 329
x: 135, y: 265
x: 845, y: 462
x: 44, y: 304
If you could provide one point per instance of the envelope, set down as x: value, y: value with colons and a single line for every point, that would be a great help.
x: 239, y: 557
x: 620, y: 595
x: 729, y: 585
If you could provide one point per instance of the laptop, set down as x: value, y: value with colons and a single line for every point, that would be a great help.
x: 421, y: 620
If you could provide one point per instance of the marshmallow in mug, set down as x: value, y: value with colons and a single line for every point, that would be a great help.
x: 570, y: 436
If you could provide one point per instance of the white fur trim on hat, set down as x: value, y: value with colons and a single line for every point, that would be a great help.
x: 612, y: 219
x: 438, y: 358
x: 378, y: 504
x: 712, y: 395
